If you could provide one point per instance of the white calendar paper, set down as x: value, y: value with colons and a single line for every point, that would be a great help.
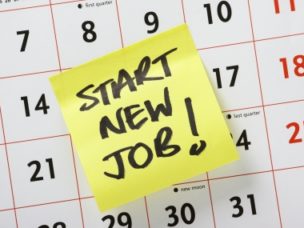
x: 253, y: 52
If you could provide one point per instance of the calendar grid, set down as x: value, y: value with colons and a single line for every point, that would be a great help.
x: 264, y: 115
x: 208, y: 179
x: 9, y: 169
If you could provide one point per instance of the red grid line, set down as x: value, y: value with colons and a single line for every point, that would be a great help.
x: 29, y: 74
x: 265, y: 119
x: 55, y: 35
x: 211, y: 202
x: 34, y: 73
x: 240, y: 175
x: 24, y: 8
x: 284, y: 102
x: 9, y: 169
x: 63, y: 3
x: 119, y: 24
x: 183, y: 8
x: 242, y: 109
x: 289, y: 168
x: 147, y: 211
x: 280, y: 37
x: 47, y: 203
x: 39, y: 6
x: 35, y: 139
x: 190, y: 182
x: 225, y: 45
x: 265, y: 105
x: 77, y: 182
x: 7, y: 209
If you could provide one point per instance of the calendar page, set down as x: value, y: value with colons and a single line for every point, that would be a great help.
x: 253, y: 53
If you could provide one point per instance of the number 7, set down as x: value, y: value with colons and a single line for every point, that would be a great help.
x: 25, y: 38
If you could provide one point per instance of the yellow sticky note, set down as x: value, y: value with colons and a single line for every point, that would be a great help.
x: 143, y: 118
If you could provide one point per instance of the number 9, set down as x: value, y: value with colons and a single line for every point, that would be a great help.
x: 151, y: 19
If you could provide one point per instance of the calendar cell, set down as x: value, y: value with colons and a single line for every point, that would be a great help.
x: 14, y: 5
x: 290, y: 190
x: 232, y: 71
x: 286, y: 134
x: 5, y: 189
x: 60, y: 215
x: 281, y: 69
x: 30, y: 108
x: 246, y: 201
x: 277, y: 18
x: 40, y: 165
x: 141, y: 19
x: 93, y: 31
x: 27, y: 42
x: 130, y: 215
x: 248, y: 131
x: 181, y: 206
x: 7, y: 219
x: 218, y: 22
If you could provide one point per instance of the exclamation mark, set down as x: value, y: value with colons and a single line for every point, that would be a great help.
x: 194, y: 149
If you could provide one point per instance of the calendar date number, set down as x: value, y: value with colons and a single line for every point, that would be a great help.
x: 123, y: 219
x: 56, y: 225
x: 186, y: 212
x: 36, y: 177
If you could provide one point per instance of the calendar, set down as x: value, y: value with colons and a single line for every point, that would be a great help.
x: 253, y: 53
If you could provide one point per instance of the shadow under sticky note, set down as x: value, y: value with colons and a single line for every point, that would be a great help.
x: 143, y: 118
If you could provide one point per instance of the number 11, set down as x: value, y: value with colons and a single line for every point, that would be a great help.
x: 277, y: 6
